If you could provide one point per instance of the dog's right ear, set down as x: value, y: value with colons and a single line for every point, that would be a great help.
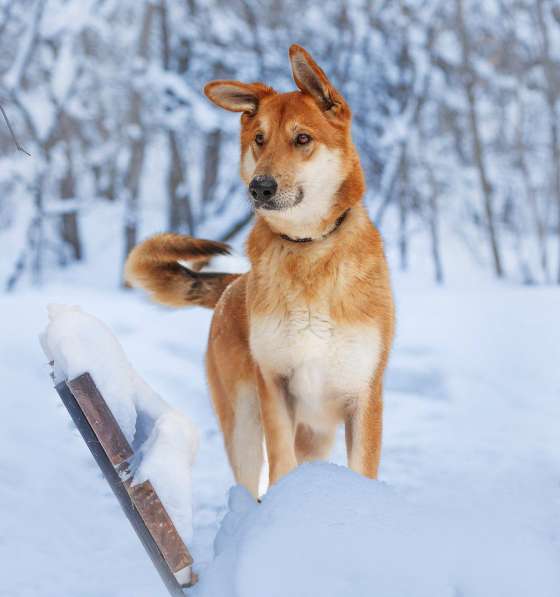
x: 237, y: 97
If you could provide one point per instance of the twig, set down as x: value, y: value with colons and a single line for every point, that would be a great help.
x: 19, y: 147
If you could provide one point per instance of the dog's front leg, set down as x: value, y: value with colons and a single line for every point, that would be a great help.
x: 364, y: 422
x: 278, y: 427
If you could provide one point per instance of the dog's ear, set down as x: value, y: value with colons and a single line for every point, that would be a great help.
x: 236, y: 96
x: 311, y: 79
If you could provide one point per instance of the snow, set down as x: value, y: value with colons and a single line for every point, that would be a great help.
x: 65, y: 71
x: 234, y: 264
x: 469, y: 473
x: 325, y: 530
x: 164, y: 440
x: 166, y: 459
x: 76, y: 343
x: 468, y: 498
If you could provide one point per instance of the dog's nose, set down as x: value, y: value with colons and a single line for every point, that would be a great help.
x: 262, y: 189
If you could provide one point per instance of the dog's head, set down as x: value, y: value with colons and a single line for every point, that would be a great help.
x: 296, y: 148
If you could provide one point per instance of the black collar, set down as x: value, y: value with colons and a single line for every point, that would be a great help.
x: 309, y: 239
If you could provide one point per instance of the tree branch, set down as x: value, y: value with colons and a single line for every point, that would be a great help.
x: 19, y: 147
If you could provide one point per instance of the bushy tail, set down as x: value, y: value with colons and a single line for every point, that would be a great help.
x: 154, y: 265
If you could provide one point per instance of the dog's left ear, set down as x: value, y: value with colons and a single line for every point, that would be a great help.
x: 311, y: 79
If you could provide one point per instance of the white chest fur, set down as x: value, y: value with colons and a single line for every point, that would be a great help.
x: 320, y: 360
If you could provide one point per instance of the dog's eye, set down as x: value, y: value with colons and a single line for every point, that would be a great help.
x: 259, y: 139
x: 303, y: 139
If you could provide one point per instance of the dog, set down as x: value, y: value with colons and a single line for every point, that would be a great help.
x: 300, y: 343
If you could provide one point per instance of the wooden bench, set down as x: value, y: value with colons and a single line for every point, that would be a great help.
x: 140, y: 503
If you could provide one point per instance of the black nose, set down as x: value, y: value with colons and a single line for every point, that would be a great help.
x: 262, y: 189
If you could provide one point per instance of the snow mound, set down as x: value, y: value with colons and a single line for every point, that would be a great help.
x: 232, y: 264
x: 324, y: 530
x: 164, y: 440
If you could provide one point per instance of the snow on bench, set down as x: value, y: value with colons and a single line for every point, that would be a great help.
x: 144, y: 447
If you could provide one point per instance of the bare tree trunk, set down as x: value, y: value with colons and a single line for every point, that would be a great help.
x: 105, y: 178
x: 6, y: 16
x: 70, y: 228
x: 38, y: 241
x: 211, y: 165
x: 137, y: 140
x: 552, y: 82
x: 132, y: 186
x: 250, y: 15
x: 33, y: 253
x: 555, y: 151
x: 434, y: 228
x: 403, y: 213
x: 70, y: 231
x: 410, y: 113
x: 477, y: 144
x: 532, y: 199
x: 105, y: 171
x: 180, y: 217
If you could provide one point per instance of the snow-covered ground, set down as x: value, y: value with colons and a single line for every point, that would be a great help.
x: 468, y: 503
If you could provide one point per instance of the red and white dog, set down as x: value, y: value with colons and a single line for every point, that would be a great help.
x: 300, y: 342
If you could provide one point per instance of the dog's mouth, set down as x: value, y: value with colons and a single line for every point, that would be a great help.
x: 280, y: 201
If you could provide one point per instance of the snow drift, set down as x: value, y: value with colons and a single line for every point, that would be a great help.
x: 164, y: 440
x: 324, y: 530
